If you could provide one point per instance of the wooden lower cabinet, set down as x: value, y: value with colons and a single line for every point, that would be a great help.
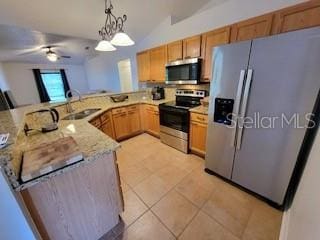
x: 81, y: 204
x: 107, y: 128
x: 107, y: 124
x: 96, y: 122
x: 121, y: 127
x: 198, y: 133
x: 134, y: 119
x: 151, y: 121
x: 126, y: 121
x: 123, y: 122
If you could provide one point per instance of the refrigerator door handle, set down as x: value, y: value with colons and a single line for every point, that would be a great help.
x: 236, y: 108
x: 244, y: 108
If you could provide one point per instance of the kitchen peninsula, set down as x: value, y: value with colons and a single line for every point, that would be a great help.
x: 82, y: 200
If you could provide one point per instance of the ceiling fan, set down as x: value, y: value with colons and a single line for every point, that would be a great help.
x: 51, y: 55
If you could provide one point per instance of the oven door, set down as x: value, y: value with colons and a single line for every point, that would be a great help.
x: 183, y: 72
x: 174, y: 118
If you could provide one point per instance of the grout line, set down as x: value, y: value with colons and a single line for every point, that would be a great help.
x: 215, y: 220
x: 163, y: 224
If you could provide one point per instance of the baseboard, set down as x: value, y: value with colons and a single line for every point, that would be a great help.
x: 285, y: 225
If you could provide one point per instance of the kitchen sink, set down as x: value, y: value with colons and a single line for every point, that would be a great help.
x: 82, y: 114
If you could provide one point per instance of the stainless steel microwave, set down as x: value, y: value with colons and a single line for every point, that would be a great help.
x: 183, y: 71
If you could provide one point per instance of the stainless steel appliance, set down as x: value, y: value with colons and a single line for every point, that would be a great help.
x: 157, y: 93
x: 275, y: 77
x: 183, y: 71
x: 174, y: 118
x: 40, y: 122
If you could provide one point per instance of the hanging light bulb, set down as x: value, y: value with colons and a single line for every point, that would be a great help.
x: 105, y: 46
x: 121, y: 39
x: 113, y: 29
x: 52, y: 56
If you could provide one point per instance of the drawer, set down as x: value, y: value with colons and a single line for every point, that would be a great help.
x: 96, y: 122
x: 152, y: 108
x: 105, y: 117
x: 119, y: 110
x: 196, y: 117
x: 133, y: 108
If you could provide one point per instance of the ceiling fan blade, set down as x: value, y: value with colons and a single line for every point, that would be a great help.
x: 65, y: 56
x: 28, y: 51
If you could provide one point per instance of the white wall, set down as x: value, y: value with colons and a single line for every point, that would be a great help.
x: 21, y: 81
x: 3, y: 81
x: 13, y: 224
x: 303, y: 218
x: 102, y: 71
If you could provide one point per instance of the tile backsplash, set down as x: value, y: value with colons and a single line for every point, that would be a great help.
x: 170, y: 89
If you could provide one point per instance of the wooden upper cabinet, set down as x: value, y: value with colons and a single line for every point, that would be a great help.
x: 300, y: 16
x: 192, y: 47
x: 175, y: 51
x: 252, y: 28
x: 143, y: 62
x: 209, y: 41
x: 158, y: 60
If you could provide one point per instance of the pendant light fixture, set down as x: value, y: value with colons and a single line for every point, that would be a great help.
x: 112, y: 32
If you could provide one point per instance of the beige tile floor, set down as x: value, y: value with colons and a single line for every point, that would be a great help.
x: 167, y: 195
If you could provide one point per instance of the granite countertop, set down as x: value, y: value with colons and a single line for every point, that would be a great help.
x: 200, y: 109
x: 92, y: 142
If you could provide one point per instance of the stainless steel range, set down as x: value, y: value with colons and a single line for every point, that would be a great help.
x: 174, y: 118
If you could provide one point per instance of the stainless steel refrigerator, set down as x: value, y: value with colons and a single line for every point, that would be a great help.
x: 265, y: 78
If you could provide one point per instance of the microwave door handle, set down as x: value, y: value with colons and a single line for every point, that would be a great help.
x: 236, y: 108
x: 244, y: 108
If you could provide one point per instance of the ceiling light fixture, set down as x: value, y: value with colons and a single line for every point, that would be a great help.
x: 112, y: 32
x: 52, y: 56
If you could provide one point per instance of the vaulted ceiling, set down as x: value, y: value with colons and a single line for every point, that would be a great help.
x: 44, y: 20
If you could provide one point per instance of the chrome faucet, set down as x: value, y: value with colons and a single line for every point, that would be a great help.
x: 68, y: 97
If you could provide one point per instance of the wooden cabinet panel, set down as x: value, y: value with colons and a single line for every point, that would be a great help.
x: 158, y: 60
x: 210, y: 40
x: 96, y: 122
x: 300, y: 16
x: 175, y: 51
x: 119, y: 110
x: 198, y: 136
x: 143, y: 62
x: 201, y: 118
x: 107, y: 128
x: 105, y: 116
x: 121, y: 127
x: 153, y: 123
x: 192, y: 47
x: 134, y: 120
x: 150, y: 119
x: 252, y: 28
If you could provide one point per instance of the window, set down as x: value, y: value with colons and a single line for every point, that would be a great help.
x: 53, y: 83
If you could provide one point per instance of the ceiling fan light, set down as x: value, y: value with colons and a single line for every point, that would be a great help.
x: 122, y: 39
x: 52, y: 57
x: 105, y: 46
